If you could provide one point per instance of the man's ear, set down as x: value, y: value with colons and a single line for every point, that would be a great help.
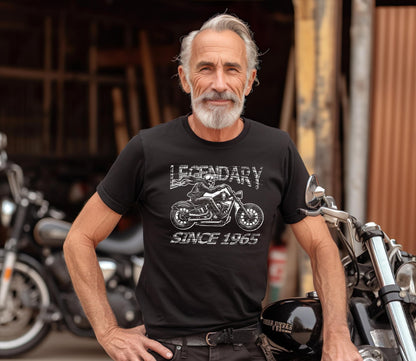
x: 184, y: 82
x: 250, y: 82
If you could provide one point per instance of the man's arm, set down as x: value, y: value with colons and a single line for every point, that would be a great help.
x: 94, y: 223
x: 329, y: 280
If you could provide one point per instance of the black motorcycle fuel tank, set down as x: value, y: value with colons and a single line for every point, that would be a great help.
x: 294, y: 327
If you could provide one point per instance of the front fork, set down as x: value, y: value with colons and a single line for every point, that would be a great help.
x: 389, y: 291
x: 10, y: 252
x: 241, y: 205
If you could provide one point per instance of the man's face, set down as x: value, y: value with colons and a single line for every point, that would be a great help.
x: 218, y: 79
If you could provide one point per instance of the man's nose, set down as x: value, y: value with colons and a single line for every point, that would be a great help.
x: 219, y: 83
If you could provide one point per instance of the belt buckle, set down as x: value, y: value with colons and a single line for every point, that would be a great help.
x: 208, y: 341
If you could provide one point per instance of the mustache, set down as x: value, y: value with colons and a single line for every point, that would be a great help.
x: 214, y: 95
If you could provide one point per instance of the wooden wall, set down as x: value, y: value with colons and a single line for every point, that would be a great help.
x: 392, y: 171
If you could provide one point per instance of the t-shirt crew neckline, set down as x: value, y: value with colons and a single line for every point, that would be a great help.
x: 227, y: 143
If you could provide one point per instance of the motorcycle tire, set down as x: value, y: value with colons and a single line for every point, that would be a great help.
x: 23, y: 324
x: 253, y: 220
x: 179, y: 217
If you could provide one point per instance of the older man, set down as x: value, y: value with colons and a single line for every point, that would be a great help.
x: 204, y: 277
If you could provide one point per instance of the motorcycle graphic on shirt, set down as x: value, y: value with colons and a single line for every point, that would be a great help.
x: 211, y: 204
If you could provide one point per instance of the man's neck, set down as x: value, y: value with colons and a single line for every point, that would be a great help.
x: 215, y: 135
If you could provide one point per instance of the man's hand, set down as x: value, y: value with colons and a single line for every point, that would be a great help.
x: 338, y: 347
x: 131, y: 345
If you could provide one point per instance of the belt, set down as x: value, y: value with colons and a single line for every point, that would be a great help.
x: 226, y: 336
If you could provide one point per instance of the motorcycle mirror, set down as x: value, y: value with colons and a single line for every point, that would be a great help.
x: 314, y: 193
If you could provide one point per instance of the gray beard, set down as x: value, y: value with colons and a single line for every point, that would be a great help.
x: 217, y: 116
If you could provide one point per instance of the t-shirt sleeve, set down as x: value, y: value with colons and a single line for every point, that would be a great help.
x: 121, y: 186
x: 296, y: 180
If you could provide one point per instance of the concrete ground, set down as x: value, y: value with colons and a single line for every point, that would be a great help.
x: 63, y: 346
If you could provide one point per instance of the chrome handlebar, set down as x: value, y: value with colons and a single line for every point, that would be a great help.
x: 370, y: 237
x: 325, y: 211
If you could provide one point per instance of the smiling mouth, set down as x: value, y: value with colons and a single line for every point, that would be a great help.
x: 218, y: 101
x: 215, y: 98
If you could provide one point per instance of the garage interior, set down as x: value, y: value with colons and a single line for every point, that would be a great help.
x: 79, y: 78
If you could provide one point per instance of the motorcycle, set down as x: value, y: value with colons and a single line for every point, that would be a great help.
x: 36, y: 292
x: 249, y: 216
x: 380, y: 279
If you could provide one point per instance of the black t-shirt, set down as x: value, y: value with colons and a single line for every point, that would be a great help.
x: 205, y: 265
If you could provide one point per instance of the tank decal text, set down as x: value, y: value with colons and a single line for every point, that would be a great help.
x: 278, y: 326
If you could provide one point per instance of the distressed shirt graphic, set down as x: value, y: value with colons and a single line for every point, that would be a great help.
x: 212, y: 201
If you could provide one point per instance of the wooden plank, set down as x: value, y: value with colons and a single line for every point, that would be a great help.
x: 116, y: 58
x: 328, y: 21
x: 60, y: 85
x: 120, y: 126
x: 293, y: 249
x: 149, y: 79
x: 41, y: 74
x: 305, y: 55
x: 113, y: 58
x: 133, y: 99
x: 93, y: 92
x: 286, y: 114
x: 132, y: 94
x: 47, y: 87
x: 316, y: 66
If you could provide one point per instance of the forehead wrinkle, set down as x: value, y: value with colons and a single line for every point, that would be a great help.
x: 229, y: 64
x: 206, y: 43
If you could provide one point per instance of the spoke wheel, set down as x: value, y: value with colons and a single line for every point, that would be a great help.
x: 250, y: 219
x: 22, y: 322
x: 180, y: 218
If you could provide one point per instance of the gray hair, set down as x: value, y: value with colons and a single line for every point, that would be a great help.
x: 221, y: 23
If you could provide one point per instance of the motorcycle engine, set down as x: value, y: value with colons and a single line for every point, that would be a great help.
x: 121, y: 298
x: 122, y: 302
x: 75, y: 309
x: 55, y: 263
x: 125, y: 307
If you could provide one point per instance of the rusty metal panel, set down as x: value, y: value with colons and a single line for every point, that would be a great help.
x: 392, y: 168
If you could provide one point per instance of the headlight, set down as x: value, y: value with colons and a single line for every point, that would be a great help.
x: 406, y: 277
x: 7, y: 210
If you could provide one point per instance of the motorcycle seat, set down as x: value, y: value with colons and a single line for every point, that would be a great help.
x: 127, y: 242
x: 50, y: 232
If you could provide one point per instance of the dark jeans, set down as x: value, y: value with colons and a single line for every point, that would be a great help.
x: 245, y: 352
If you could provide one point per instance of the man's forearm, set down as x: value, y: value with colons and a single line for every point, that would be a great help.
x: 329, y: 278
x: 88, y: 282
x: 329, y: 281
